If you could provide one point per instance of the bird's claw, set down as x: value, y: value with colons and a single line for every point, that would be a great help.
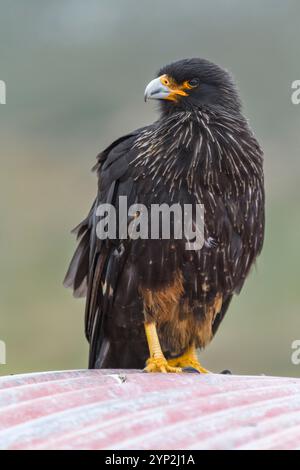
x: 188, y: 365
x: 160, y: 364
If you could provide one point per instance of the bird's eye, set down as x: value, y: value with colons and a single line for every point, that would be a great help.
x: 193, y: 82
x: 165, y: 81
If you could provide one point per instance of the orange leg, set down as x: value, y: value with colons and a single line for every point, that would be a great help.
x: 157, y: 361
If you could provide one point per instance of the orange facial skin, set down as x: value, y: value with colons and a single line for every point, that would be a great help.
x: 176, y: 89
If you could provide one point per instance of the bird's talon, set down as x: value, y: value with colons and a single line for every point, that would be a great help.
x: 160, y: 364
x: 190, y: 370
x: 188, y: 364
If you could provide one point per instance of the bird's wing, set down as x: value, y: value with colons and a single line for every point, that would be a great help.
x: 97, y: 264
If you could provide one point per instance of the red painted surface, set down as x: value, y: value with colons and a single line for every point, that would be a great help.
x: 131, y: 410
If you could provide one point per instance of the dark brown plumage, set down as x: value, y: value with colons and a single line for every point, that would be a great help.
x: 200, y: 150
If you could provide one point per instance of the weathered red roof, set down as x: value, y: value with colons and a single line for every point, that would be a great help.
x: 87, y: 409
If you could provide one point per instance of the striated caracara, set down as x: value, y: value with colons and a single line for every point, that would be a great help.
x: 151, y: 302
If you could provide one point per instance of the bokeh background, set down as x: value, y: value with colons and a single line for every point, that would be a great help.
x: 75, y: 72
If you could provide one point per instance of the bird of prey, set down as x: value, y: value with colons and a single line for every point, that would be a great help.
x: 151, y: 303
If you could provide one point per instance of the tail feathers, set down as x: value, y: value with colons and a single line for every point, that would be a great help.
x: 76, y: 277
x: 94, y: 295
x: 100, y: 302
x: 77, y: 274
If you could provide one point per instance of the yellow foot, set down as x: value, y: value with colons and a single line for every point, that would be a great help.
x: 187, y: 361
x: 160, y: 364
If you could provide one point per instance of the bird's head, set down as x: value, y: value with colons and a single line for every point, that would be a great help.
x: 193, y: 83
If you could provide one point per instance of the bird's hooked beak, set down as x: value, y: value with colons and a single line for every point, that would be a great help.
x: 156, y: 90
x: 163, y: 88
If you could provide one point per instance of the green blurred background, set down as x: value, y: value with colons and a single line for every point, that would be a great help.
x: 75, y: 74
